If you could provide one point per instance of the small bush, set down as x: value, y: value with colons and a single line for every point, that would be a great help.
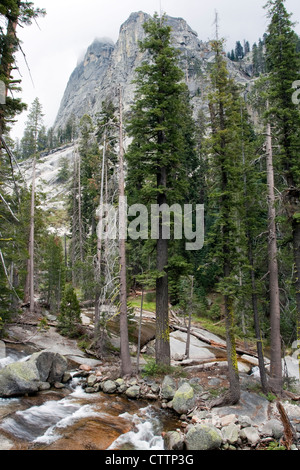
x: 69, y: 318
x: 150, y: 297
x: 153, y: 369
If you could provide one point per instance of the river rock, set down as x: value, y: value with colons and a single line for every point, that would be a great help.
x: 184, y: 399
x: 228, y: 419
x: 5, y: 443
x: 25, y: 377
x: 272, y: 428
x: 251, y: 435
x: 120, y: 382
x: 168, y: 388
x: 66, y: 377
x: 155, y: 388
x: 203, y: 437
x: 58, y: 385
x: 173, y: 440
x: 44, y: 386
x: 85, y: 367
x: 19, y: 379
x: 231, y: 433
x: 133, y: 391
x: 51, y: 365
x: 92, y: 380
x: 245, y: 421
x: 109, y: 386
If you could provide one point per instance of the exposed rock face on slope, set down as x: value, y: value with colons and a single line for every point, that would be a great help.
x: 49, y: 183
x: 106, y: 66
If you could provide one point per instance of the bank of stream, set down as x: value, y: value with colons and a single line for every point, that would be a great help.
x: 70, y: 419
x: 81, y: 416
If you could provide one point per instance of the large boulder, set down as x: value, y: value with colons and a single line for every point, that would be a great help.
x: 109, y: 386
x: 26, y: 377
x: 203, y: 437
x: 133, y: 391
x: 51, y: 365
x: 18, y: 379
x: 184, y: 399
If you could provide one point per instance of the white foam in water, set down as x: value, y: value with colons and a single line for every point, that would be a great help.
x: 144, y: 436
x: 43, y: 424
x: 5, y: 361
x: 52, y: 435
x: 40, y: 423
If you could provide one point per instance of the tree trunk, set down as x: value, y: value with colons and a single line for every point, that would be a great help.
x: 259, y: 346
x: 31, y: 239
x: 162, y: 341
x: 296, y: 246
x: 275, y: 361
x: 74, y: 220
x: 80, y: 216
x: 139, y: 334
x: 99, y: 252
x: 234, y: 391
x: 11, y: 39
x: 188, y: 337
x: 126, y: 367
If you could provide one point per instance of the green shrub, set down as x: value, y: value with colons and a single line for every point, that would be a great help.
x: 69, y: 318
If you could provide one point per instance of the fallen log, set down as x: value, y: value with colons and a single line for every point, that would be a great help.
x: 290, y: 436
x: 213, y: 343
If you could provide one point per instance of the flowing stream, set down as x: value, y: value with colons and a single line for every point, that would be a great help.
x: 80, y: 421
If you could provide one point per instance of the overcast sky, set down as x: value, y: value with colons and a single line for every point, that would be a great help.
x: 53, y: 45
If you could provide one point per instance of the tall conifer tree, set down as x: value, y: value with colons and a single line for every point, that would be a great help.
x: 283, y: 64
x: 157, y: 155
x: 225, y: 194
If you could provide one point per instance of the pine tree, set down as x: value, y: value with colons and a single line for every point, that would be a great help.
x: 107, y: 263
x: 33, y: 125
x: 254, y: 221
x: 54, y: 269
x: 13, y: 13
x: 157, y: 171
x: 275, y: 362
x: 69, y: 317
x: 239, y: 51
x: 283, y: 64
x: 246, y: 47
x: 226, y: 235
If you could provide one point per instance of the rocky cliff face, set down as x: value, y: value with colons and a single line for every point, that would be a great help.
x: 106, y: 66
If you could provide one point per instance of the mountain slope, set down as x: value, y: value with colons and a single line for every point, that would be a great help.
x: 106, y: 66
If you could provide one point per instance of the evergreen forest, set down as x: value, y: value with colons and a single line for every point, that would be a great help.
x: 237, y: 161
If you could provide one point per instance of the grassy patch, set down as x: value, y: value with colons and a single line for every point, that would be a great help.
x: 136, y: 303
x: 218, y: 328
x: 158, y: 370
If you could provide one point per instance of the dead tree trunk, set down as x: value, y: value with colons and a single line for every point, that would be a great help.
x: 275, y: 360
x: 126, y: 366
x: 31, y: 238
x: 254, y: 299
x: 140, y: 334
x: 99, y: 251
x: 188, y: 338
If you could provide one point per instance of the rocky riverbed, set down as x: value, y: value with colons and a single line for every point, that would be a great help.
x: 254, y: 423
x: 106, y: 411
